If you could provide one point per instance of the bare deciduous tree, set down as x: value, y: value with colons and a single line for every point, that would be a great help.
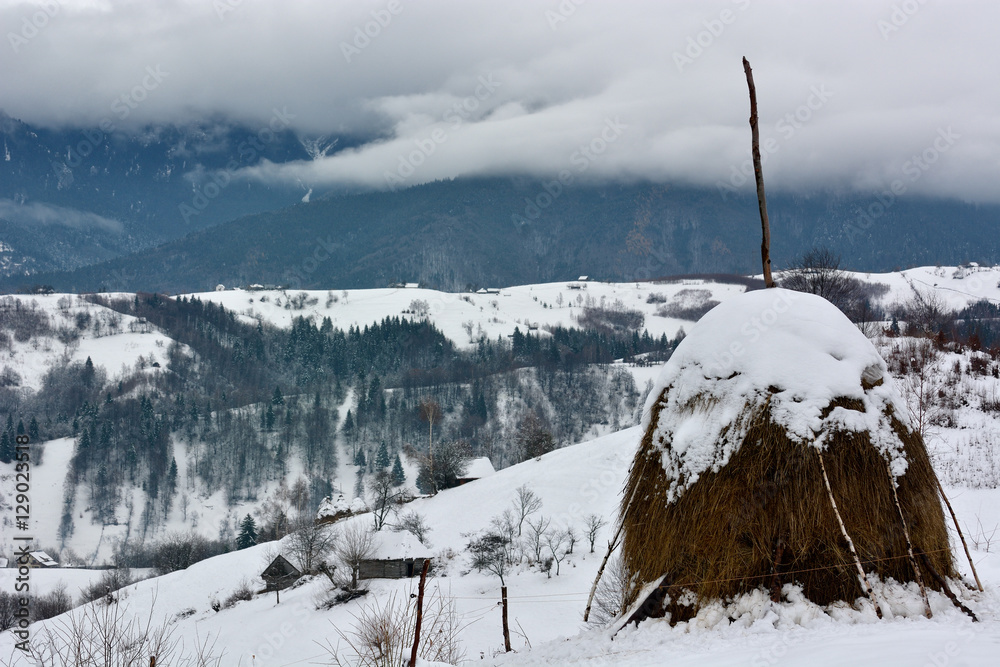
x: 555, y: 540
x: 536, y: 536
x: 383, y: 497
x: 526, y: 503
x: 310, y: 544
x: 414, y: 523
x: 593, y: 526
x: 355, y: 544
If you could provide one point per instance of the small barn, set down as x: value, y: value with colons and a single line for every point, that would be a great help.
x: 40, y: 559
x: 395, y: 555
x: 280, y: 574
x: 476, y: 469
x: 776, y: 450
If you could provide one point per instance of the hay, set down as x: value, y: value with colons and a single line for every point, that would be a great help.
x: 719, y: 538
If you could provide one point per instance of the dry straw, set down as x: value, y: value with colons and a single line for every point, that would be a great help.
x: 766, y: 517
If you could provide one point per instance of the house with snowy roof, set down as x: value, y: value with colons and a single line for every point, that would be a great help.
x: 394, y: 555
x: 476, y: 469
x: 37, y: 559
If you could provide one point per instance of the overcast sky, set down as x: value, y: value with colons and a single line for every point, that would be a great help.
x: 849, y: 91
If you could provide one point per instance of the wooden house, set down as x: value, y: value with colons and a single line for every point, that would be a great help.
x: 280, y: 574
x: 395, y: 555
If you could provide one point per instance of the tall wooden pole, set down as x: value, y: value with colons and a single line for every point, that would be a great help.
x: 506, y: 627
x: 765, y: 244
x: 420, y: 612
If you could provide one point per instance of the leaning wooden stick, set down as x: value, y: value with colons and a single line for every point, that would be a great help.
x: 765, y: 244
x: 944, y: 585
x: 850, y: 542
x: 593, y: 589
x: 909, y: 544
x: 961, y: 536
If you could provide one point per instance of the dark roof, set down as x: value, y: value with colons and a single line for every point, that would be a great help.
x: 280, y: 568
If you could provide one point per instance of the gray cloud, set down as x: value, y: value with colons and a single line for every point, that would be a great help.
x: 892, y: 76
x: 38, y: 213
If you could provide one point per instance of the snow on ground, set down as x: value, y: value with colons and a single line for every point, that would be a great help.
x: 547, y: 612
x: 465, y: 317
x: 107, y: 337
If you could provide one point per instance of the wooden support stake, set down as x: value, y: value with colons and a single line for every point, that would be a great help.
x: 944, y: 585
x: 420, y: 612
x: 954, y: 518
x: 850, y: 542
x: 765, y: 244
x: 909, y: 543
x: 152, y: 661
x: 506, y: 628
x: 600, y: 571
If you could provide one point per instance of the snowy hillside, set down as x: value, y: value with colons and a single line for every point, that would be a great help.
x: 546, y: 611
x: 122, y: 344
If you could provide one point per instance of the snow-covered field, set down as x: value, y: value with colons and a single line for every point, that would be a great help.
x: 546, y: 613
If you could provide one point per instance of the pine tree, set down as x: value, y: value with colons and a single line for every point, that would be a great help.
x: 382, y: 459
x: 33, y: 429
x: 7, y: 451
x: 269, y: 418
x: 359, y: 459
x: 172, y: 475
x: 277, y: 398
x: 88, y: 373
x: 248, y: 533
x: 398, y: 476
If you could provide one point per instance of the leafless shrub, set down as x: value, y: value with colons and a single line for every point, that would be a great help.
x: 105, y: 587
x: 382, y: 633
x: 56, y: 602
x: 688, y: 304
x: 100, y: 635
x: 818, y: 272
x: 414, y: 523
x: 616, y: 318
x: 244, y: 591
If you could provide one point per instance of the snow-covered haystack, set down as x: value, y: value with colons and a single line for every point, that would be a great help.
x: 726, y: 493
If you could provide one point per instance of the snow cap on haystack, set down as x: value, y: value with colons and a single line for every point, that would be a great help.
x: 726, y: 489
x: 796, y: 352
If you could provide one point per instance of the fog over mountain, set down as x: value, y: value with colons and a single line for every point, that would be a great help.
x: 854, y: 96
